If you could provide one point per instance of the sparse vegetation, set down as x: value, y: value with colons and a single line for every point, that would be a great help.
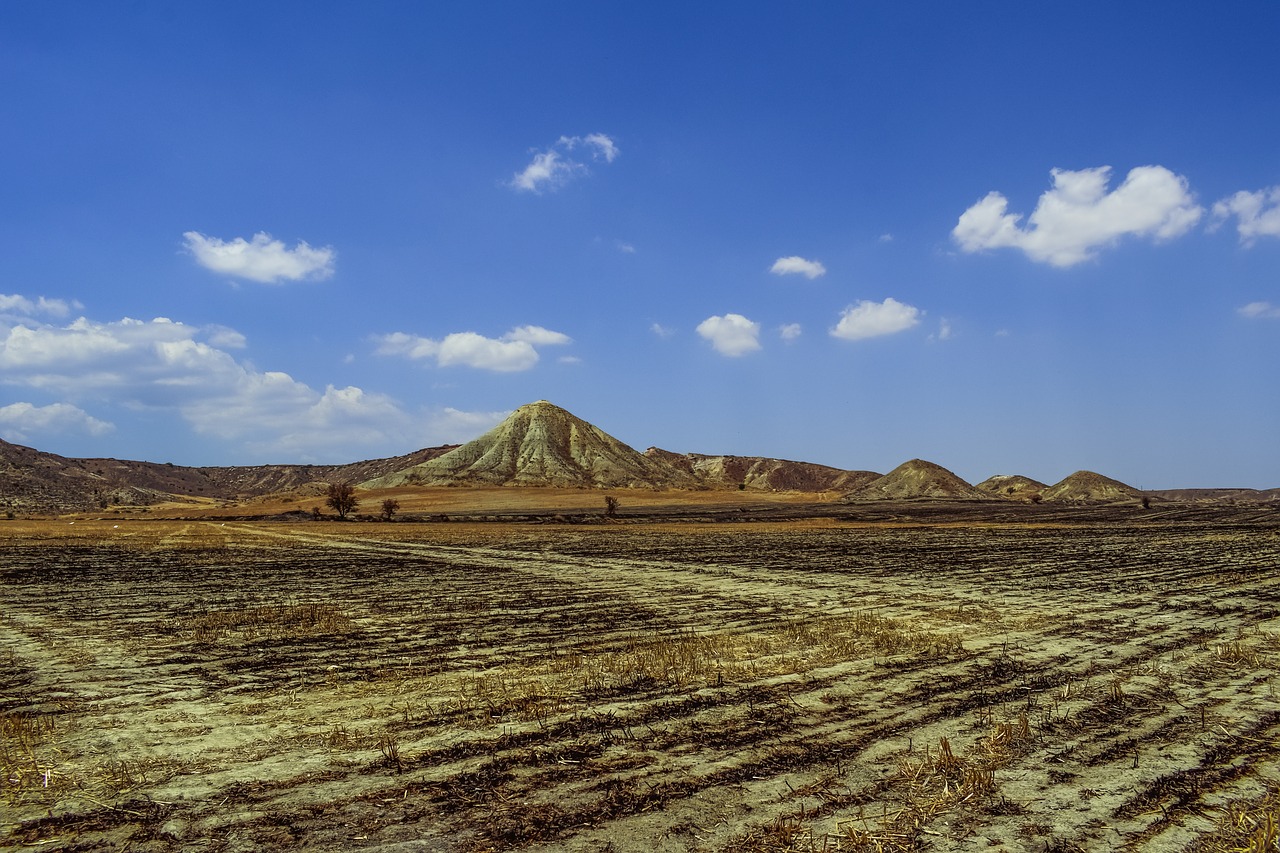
x: 341, y: 498
x: 720, y: 687
x: 390, y: 506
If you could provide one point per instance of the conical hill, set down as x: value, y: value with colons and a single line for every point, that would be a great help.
x: 918, y: 479
x: 541, y: 444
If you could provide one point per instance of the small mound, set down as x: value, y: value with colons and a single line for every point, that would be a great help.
x: 1014, y: 487
x: 918, y: 479
x: 1088, y: 487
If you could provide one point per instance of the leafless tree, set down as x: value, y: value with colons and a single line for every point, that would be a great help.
x: 390, y: 507
x: 610, y: 506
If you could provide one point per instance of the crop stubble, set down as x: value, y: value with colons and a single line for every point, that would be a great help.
x: 718, y: 687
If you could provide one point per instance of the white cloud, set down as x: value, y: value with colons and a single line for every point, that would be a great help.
x: 603, y: 145
x: 537, y: 336
x: 872, y: 319
x: 19, y: 421
x: 451, y: 426
x: 515, y: 351
x: 886, y: 238
x: 16, y: 304
x: 795, y: 265
x: 944, y: 331
x: 790, y: 331
x: 1257, y: 214
x: 553, y: 168
x: 661, y: 330
x: 162, y: 365
x: 1260, y: 310
x: 732, y: 335
x: 263, y: 259
x: 1078, y: 215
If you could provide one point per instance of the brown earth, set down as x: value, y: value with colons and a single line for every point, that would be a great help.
x: 910, y: 676
x: 34, y: 481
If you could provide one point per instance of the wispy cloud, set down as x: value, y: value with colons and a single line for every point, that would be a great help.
x: 789, y: 332
x: 556, y: 166
x: 1257, y: 213
x: 1078, y: 215
x: 1259, y: 311
x: 20, y: 421
x: 873, y: 319
x: 25, y: 306
x: 796, y: 265
x: 453, y: 426
x: 263, y: 259
x: 661, y: 330
x: 513, y: 352
x: 732, y: 334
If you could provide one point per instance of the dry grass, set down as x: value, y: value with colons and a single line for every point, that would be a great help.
x: 266, y: 621
x: 1247, y: 826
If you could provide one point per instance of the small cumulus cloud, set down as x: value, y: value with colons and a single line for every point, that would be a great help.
x: 789, y: 332
x: 559, y: 164
x: 22, y: 305
x: 944, y: 331
x: 796, y: 265
x: 1257, y: 214
x: 262, y: 259
x: 1079, y: 215
x: 873, y: 319
x: 513, y: 352
x: 1260, y: 311
x: 20, y: 421
x: 732, y: 335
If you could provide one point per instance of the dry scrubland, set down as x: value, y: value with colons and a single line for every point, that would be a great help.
x: 809, y: 686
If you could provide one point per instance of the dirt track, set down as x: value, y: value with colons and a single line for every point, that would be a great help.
x: 700, y: 687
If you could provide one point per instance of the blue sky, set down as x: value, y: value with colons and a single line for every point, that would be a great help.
x: 1005, y: 237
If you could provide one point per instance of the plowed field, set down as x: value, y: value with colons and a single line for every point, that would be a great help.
x: 803, y: 686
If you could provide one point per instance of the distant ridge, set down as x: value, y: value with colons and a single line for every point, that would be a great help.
x: 541, y: 444
x: 762, y: 473
x: 31, y: 479
x: 538, y: 445
x: 918, y: 478
x: 1088, y: 487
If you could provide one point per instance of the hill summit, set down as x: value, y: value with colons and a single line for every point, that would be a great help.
x: 918, y: 478
x: 1090, y: 487
x: 541, y: 444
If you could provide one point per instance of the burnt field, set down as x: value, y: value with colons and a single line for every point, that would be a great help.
x: 810, y: 685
